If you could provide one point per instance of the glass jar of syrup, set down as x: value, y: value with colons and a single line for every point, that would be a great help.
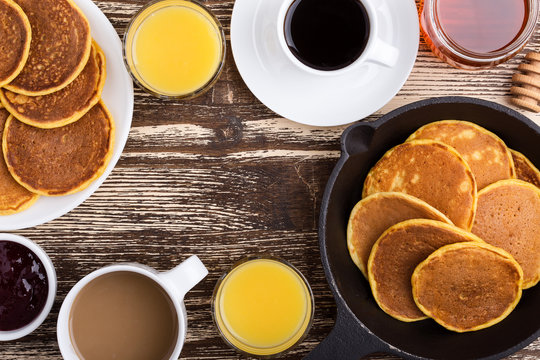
x: 477, y: 34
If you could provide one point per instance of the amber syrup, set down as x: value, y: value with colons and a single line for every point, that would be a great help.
x: 473, y: 28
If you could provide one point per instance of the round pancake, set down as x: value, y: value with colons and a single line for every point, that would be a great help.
x: 62, y: 160
x: 396, y: 254
x: 59, y: 48
x: 15, y: 35
x: 487, y: 155
x: 431, y: 171
x: 525, y: 169
x: 13, y: 197
x: 64, y: 106
x: 508, y: 217
x: 376, y: 213
x: 467, y: 286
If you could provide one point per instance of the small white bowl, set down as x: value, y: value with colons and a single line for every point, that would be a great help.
x: 51, y: 278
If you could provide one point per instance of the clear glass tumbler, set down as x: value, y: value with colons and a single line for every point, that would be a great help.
x: 460, y: 31
x: 263, y: 306
x: 174, y: 49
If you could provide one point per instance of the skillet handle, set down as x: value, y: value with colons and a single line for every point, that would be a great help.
x: 357, y: 138
x: 348, y: 340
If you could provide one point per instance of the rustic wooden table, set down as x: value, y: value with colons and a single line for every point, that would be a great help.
x: 222, y: 177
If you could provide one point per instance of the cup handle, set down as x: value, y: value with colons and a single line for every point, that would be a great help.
x: 185, y: 276
x: 383, y: 53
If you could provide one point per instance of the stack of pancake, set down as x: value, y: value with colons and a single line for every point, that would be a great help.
x: 449, y: 227
x: 57, y: 134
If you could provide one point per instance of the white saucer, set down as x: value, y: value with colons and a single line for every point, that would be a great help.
x: 315, y: 100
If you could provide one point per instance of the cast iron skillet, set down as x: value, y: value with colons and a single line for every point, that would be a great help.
x: 361, y: 327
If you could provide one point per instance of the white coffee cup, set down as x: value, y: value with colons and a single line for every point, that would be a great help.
x: 176, y: 283
x: 376, y: 51
x: 51, y: 278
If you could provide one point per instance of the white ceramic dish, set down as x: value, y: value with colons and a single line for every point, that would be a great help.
x: 320, y: 100
x: 51, y: 277
x: 117, y: 95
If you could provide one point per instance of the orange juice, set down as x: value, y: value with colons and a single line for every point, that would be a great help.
x: 174, y: 48
x: 263, y: 306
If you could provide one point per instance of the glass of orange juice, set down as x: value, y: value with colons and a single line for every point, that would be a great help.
x: 174, y: 48
x: 263, y: 306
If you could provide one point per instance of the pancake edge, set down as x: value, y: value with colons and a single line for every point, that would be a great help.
x: 527, y: 161
x: 357, y: 261
x: 108, y: 155
x: 27, y: 41
x: 77, y: 70
x: 480, y: 129
x: 100, y: 58
x: 450, y: 247
x: 21, y: 207
x: 470, y: 221
x: 25, y: 204
x: 518, y: 182
x: 403, y: 224
x: 82, y: 186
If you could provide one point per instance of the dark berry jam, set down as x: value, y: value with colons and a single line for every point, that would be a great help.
x: 23, y: 286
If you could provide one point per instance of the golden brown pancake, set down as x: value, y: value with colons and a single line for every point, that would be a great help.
x: 467, y: 286
x: 13, y: 197
x: 59, y: 48
x: 508, y: 217
x: 64, y: 106
x: 431, y: 171
x: 525, y: 169
x: 487, y: 155
x: 15, y: 35
x: 62, y: 160
x: 396, y: 254
x: 376, y: 213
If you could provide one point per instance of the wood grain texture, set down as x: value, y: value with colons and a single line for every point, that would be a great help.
x: 222, y: 177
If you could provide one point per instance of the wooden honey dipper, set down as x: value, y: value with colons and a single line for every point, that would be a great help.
x: 527, y: 85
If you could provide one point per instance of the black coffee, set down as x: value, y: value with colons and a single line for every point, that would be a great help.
x: 326, y: 34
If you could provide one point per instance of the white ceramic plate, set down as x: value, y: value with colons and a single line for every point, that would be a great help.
x: 310, y: 99
x: 118, y: 97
